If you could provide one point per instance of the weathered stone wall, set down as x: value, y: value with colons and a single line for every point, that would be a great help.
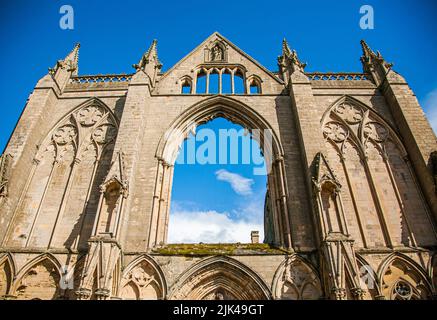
x: 90, y: 179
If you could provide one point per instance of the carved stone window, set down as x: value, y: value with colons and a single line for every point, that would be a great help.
x: 186, y: 87
x: 402, y: 291
x: 254, y: 85
x: 239, y: 87
x: 223, y: 79
x: 201, y: 81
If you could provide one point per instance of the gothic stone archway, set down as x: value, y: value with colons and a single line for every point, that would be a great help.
x: 219, y: 278
x: 239, y: 113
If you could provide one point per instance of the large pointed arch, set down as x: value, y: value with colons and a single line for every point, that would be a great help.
x: 239, y: 113
x: 206, y: 110
x: 219, y: 277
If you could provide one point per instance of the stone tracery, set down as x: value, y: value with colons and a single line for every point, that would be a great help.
x: 369, y: 195
x: 142, y: 281
x: 402, y: 280
x: 382, y: 160
x: 296, y: 280
x: 74, y: 145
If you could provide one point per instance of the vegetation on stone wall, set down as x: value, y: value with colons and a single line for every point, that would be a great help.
x: 203, y: 249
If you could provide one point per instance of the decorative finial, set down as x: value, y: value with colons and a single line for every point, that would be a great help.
x: 289, y: 58
x: 150, y: 55
x: 70, y: 62
x: 370, y: 59
x: 285, y: 48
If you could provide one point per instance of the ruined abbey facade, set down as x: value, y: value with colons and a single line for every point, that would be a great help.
x: 86, y: 177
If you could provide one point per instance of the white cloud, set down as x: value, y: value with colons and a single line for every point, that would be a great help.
x: 239, y: 184
x: 430, y: 105
x: 210, y: 227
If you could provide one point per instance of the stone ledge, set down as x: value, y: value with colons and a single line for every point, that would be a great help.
x: 232, y: 249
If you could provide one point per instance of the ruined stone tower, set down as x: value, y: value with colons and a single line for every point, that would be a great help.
x: 85, y: 183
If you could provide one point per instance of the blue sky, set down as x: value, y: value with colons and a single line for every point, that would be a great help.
x: 115, y: 34
x: 217, y: 202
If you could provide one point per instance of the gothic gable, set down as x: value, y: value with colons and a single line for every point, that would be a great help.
x: 217, y: 55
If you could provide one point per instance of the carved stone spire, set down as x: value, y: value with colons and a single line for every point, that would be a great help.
x: 285, y: 48
x: 374, y: 63
x: 73, y: 59
x: 150, y: 57
x: 70, y: 63
x: 149, y: 62
x: 289, y: 62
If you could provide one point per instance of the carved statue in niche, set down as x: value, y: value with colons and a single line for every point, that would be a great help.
x: 217, y: 53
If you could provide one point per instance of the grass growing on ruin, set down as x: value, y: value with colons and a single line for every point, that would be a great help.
x: 203, y: 249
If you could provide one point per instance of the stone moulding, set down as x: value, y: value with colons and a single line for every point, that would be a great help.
x: 343, y: 76
x: 101, y: 78
x: 189, y: 284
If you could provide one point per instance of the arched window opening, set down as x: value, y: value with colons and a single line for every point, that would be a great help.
x: 201, y: 82
x: 226, y: 82
x: 254, y: 87
x: 239, y: 82
x: 186, y: 87
x: 217, y: 194
x: 214, y: 81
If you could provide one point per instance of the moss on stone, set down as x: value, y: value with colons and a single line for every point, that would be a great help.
x: 202, y: 249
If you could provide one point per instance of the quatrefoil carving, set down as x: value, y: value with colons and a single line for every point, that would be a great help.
x: 349, y: 113
x: 335, y: 131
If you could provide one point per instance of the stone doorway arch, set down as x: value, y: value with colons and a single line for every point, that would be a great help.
x: 239, y: 113
x: 219, y: 278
